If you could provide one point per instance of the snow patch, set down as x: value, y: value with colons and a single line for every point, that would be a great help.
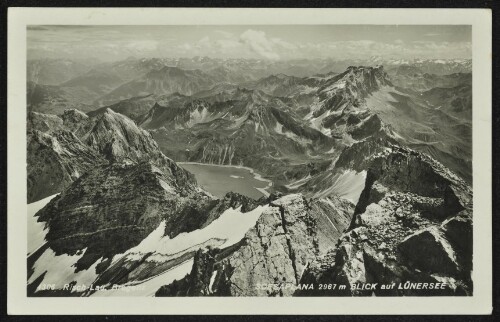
x: 168, y: 188
x: 296, y: 184
x: 148, y: 287
x: 263, y: 191
x: 348, y: 185
x: 198, y: 116
x: 60, y: 269
x: 158, y: 243
x: 36, y: 230
x: 212, y: 280
x: 317, y: 123
x: 279, y: 129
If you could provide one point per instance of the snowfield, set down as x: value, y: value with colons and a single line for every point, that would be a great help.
x: 36, y: 229
x: 159, y: 244
x: 59, y: 270
x: 348, y: 185
x: 149, y: 287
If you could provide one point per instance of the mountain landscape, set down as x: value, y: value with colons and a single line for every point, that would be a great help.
x: 209, y: 176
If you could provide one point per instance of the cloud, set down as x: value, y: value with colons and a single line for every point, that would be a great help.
x: 249, y: 44
x: 203, y: 42
x: 259, y: 43
x: 226, y: 34
x: 284, y: 44
x: 186, y: 46
x: 227, y: 43
x: 112, y: 43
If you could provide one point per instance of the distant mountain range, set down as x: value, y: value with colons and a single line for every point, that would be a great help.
x: 108, y: 83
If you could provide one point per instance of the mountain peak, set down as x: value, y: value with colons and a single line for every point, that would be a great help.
x: 378, y: 69
x: 281, y: 76
x: 109, y: 111
x: 73, y: 118
x: 117, y: 137
x: 365, y: 78
x: 74, y: 113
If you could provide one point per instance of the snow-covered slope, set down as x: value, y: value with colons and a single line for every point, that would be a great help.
x: 36, y: 230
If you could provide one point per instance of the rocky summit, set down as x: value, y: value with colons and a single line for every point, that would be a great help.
x: 364, y: 171
x: 405, y: 228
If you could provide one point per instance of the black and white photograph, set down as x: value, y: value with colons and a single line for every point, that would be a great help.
x: 249, y: 160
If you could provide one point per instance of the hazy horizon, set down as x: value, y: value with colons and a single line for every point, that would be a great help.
x: 277, y: 42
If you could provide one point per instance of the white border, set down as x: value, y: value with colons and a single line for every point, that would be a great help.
x: 19, y: 303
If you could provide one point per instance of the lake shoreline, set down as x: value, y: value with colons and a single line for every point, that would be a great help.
x: 256, y: 175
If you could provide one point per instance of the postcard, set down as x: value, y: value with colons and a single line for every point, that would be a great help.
x: 249, y: 161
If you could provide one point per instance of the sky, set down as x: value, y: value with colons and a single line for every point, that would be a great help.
x: 276, y: 42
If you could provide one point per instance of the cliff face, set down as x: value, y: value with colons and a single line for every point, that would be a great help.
x: 111, y: 208
x: 278, y: 248
x: 413, y: 223
x: 55, y: 160
x: 273, y: 255
x: 62, y: 148
x: 118, y: 138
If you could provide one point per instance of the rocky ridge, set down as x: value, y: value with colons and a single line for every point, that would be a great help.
x: 405, y: 228
x: 412, y: 224
x: 286, y: 238
x: 61, y: 148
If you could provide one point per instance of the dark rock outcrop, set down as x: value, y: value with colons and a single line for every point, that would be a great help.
x: 62, y: 148
x: 55, y: 160
x: 113, y: 207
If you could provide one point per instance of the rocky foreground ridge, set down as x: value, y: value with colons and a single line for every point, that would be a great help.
x: 412, y: 224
